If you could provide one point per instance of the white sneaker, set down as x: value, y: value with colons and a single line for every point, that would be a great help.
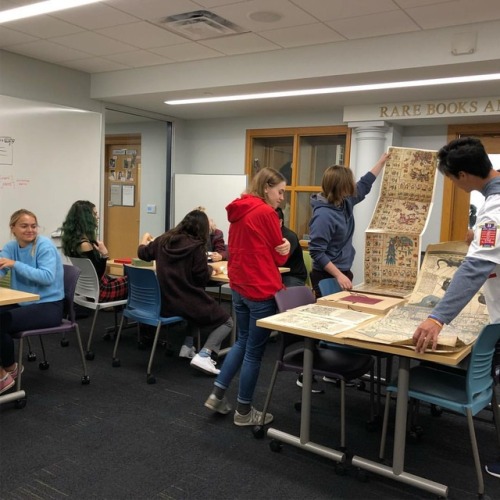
x: 205, y: 364
x: 187, y: 352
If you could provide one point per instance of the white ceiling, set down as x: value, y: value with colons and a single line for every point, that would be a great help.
x: 312, y: 43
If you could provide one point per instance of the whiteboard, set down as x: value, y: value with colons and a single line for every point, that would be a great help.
x: 213, y: 192
x: 50, y: 156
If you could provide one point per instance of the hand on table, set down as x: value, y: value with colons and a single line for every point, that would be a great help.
x: 426, y: 334
x: 216, y: 257
x: 344, y: 282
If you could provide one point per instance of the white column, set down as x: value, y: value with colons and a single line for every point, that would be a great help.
x: 369, y: 141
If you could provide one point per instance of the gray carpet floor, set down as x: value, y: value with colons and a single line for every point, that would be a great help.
x: 120, y: 438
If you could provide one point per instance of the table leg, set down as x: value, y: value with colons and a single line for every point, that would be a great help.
x: 397, y: 470
x: 305, y: 414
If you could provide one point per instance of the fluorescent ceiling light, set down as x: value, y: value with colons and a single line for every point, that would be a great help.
x: 35, y: 9
x: 339, y: 90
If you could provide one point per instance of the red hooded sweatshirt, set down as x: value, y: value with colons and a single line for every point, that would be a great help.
x: 253, y: 262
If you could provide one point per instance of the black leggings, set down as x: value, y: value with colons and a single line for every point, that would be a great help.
x: 15, y: 318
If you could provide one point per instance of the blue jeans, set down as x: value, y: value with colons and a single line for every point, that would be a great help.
x: 249, y: 347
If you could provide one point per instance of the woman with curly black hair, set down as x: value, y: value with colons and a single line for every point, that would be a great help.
x: 79, y: 239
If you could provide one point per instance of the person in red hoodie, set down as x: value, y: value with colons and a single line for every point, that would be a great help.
x: 256, y: 249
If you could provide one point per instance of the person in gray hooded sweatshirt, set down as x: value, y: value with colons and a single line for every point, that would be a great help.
x: 332, y: 223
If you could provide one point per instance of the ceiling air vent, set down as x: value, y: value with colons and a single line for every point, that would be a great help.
x: 200, y: 25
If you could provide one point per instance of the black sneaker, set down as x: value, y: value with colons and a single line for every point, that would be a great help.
x: 315, y: 389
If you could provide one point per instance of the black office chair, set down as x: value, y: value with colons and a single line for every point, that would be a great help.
x: 329, y: 286
x: 337, y: 364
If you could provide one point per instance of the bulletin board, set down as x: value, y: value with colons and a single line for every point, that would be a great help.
x: 50, y: 156
x: 213, y: 192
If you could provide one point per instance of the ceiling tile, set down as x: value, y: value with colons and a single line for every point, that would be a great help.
x: 154, y: 9
x: 328, y: 10
x: 240, y: 44
x: 374, y: 25
x: 95, y: 65
x: 187, y: 52
x: 94, y: 16
x: 239, y: 14
x: 11, y: 37
x: 456, y: 12
x: 297, y: 36
x: 143, y: 35
x: 139, y: 59
x: 47, y: 51
x: 216, y: 3
x: 93, y: 43
x: 44, y: 27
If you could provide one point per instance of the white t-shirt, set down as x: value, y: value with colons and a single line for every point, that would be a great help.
x: 486, y: 246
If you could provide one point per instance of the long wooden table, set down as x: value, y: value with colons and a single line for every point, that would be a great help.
x: 7, y: 297
x: 303, y: 441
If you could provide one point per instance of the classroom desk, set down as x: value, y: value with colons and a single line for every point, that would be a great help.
x: 397, y: 471
x: 9, y: 296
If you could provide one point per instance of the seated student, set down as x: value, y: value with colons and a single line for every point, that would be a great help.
x: 36, y: 267
x: 183, y: 273
x: 297, y: 275
x: 216, y: 245
x: 79, y: 239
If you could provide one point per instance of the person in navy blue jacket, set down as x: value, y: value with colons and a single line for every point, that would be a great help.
x: 332, y: 223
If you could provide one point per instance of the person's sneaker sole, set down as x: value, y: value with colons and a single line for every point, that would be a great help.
x: 8, y: 386
x: 496, y: 474
x: 254, y: 418
x: 219, y: 405
x: 313, y: 390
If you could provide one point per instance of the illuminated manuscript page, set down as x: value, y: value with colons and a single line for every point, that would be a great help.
x: 393, y: 238
x: 439, y: 265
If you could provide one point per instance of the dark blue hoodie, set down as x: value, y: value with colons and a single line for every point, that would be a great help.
x: 331, y: 228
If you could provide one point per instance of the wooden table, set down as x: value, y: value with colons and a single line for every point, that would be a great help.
x: 9, y: 296
x: 397, y: 471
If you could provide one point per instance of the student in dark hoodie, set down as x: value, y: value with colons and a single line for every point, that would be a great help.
x: 332, y: 223
x: 256, y: 249
x: 183, y: 274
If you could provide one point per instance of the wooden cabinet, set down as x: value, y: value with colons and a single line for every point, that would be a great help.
x: 301, y: 155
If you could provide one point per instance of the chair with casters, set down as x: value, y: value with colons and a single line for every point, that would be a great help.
x: 328, y: 286
x: 67, y: 325
x: 466, y: 392
x: 338, y: 364
x: 87, y: 295
x: 143, y: 306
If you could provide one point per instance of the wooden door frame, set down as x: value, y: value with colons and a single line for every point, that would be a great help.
x: 455, y: 211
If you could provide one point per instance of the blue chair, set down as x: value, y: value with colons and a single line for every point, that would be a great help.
x: 328, y: 286
x: 338, y: 364
x: 465, y: 392
x: 143, y: 306
x: 67, y: 325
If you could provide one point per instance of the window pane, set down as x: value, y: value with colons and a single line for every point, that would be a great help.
x: 274, y: 152
x: 316, y: 153
x: 303, y: 214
